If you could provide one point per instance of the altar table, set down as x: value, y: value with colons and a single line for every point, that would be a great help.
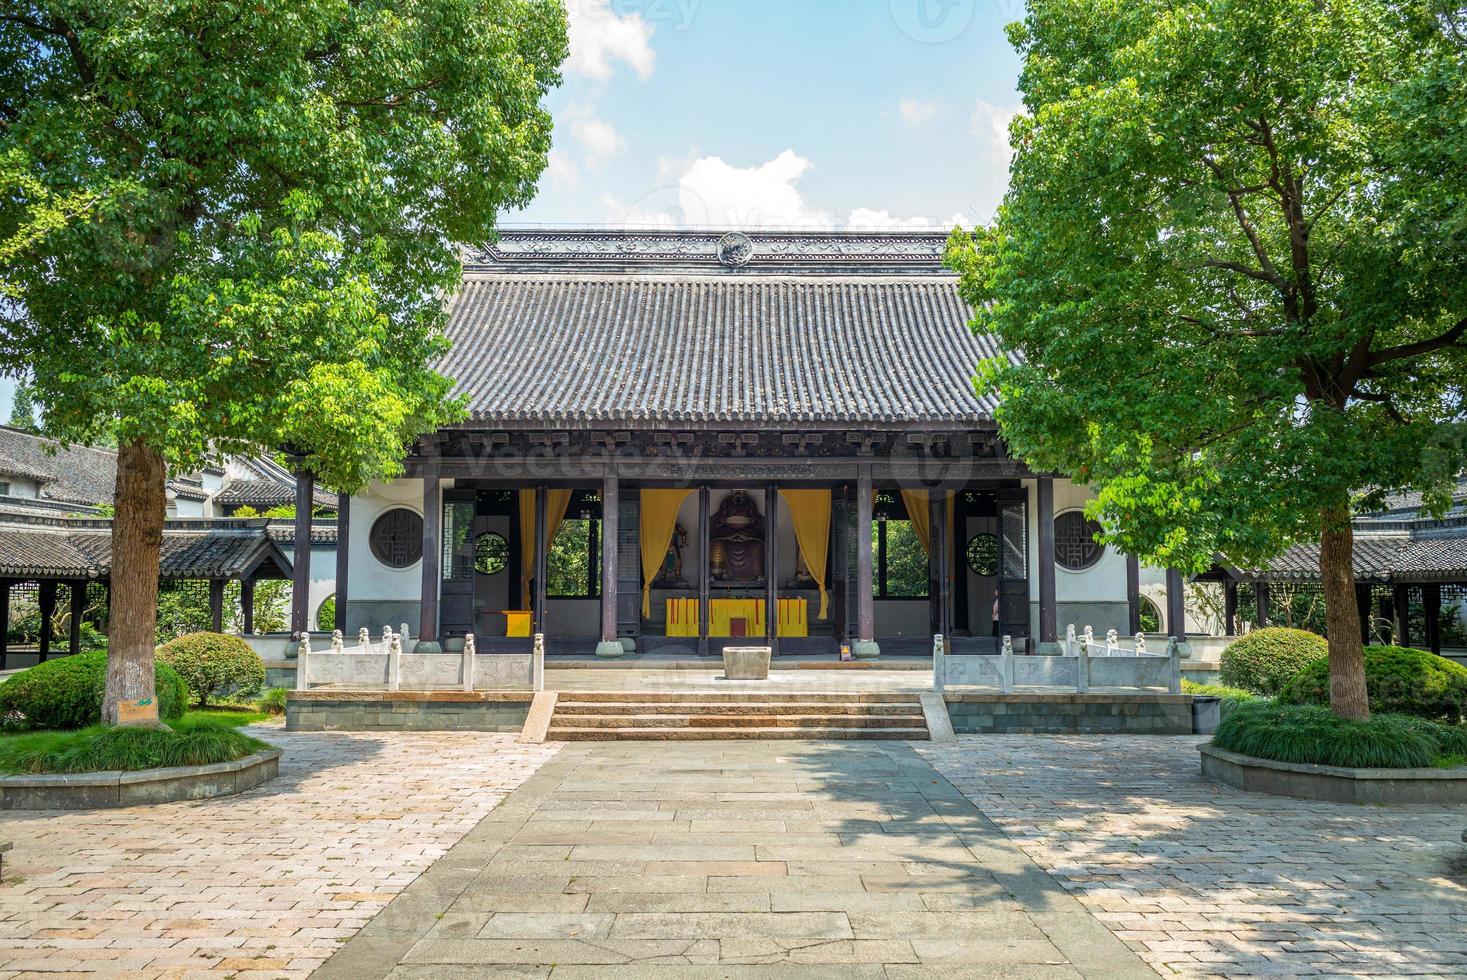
x: 682, y: 617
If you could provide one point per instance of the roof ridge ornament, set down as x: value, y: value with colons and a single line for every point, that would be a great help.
x: 735, y: 249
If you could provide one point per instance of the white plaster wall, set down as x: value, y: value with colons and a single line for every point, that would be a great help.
x: 1105, y: 581
x: 21, y: 487
x: 183, y: 507
x: 323, y: 581
x: 370, y: 579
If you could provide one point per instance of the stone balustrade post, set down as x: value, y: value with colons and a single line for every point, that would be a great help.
x: 468, y: 668
x: 303, y: 662
x: 939, y: 662
x: 1006, y: 665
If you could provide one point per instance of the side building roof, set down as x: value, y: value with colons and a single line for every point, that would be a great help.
x: 34, y: 547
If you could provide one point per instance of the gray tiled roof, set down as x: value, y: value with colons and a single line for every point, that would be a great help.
x: 580, y: 351
x: 199, y: 549
x: 74, y: 474
x: 322, y: 531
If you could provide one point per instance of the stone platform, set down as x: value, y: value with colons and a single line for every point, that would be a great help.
x: 406, y: 711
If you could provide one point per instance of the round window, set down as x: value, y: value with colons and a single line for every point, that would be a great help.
x: 983, y: 554
x: 396, y: 538
x: 1075, y: 546
x: 491, y: 553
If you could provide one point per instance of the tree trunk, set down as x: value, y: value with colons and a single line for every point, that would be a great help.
x: 137, y: 540
x: 1347, y: 693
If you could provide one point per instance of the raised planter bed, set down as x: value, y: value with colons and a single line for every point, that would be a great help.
x: 97, y: 790
x: 1334, y: 784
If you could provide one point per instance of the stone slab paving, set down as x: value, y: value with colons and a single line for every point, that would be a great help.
x: 734, y: 860
x: 266, y: 884
x: 1207, y: 881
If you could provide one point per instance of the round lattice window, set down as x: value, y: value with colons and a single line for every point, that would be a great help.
x: 983, y: 554
x: 396, y: 538
x: 491, y: 553
x: 1075, y: 546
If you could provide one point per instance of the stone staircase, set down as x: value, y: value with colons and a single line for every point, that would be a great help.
x: 609, y: 716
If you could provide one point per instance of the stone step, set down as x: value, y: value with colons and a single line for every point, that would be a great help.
x: 751, y: 719
x: 741, y: 697
x: 566, y: 707
x: 576, y: 734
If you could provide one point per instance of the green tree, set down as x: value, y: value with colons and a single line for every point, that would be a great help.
x: 23, y: 408
x: 1233, y: 253
x: 245, y: 214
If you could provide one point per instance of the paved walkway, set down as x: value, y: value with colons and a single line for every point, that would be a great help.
x: 1208, y: 881
x: 267, y: 884
x: 731, y: 860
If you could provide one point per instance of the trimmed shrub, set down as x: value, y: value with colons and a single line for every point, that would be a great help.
x: 1313, y: 734
x: 1399, y: 680
x: 273, y: 701
x: 213, y: 664
x: 67, y: 693
x: 1265, y: 659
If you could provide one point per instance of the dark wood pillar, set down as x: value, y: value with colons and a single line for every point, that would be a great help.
x: 1048, y: 612
x: 343, y: 557
x: 432, y: 517
x: 1176, y: 605
x: 941, y: 548
x: 1401, y: 614
x: 1431, y: 601
x: 1362, y: 606
x: 1260, y: 592
x: 1133, y: 595
x: 216, y: 605
x: 1230, y: 608
x: 4, y: 625
x: 537, y: 608
x: 300, y: 582
x: 610, y: 645
x: 48, y: 610
x: 247, y: 606
x: 78, y: 609
x: 705, y: 569
x: 771, y: 567
x: 865, y: 607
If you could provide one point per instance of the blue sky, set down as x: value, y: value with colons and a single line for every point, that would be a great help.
x: 778, y: 113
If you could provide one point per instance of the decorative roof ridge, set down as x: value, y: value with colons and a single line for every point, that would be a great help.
x: 943, y: 278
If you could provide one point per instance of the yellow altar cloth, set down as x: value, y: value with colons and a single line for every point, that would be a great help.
x: 682, y: 617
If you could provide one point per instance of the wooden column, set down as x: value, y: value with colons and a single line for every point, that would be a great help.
x: 432, y: 518
x: 542, y: 502
x: 343, y: 557
x: 941, y: 549
x: 1133, y: 595
x: 1176, y: 605
x: 78, y: 609
x: 1048, y: 613
x: 1260, y: 591
x: 1401, y: 614
x: 4, y: 625
x: 1362, y: 606
x: 48, y: 609
x: 610, y: 645
x: 300, y: 582
x: 865, y: 609
x: 1230, y: 608
x: 705, y: 569
x: 1431, y: 601
x: 771, y: 567
x: 247, y: 606
x: 216, y: 605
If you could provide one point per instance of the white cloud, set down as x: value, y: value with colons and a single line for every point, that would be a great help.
x: 990, y: 123
x: 915, y: 112
x: 599, y: 38
x: 562, y: 171
x: 599, y: 140
x: 872, y: 220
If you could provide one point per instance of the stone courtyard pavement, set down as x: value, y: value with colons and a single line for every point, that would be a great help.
x: 266, y: 884
x: 734, y: 859
x: 1204, y: 880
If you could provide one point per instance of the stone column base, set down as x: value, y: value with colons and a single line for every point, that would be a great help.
x: 427, y: 646
x: 865, y: 649
x: 610, y: 648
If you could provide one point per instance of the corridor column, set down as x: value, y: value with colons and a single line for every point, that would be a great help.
x: 216, y: 604
x: 432, y: 516
x: 542, y: 501
x: 610, y: 645
x: 78, y: 609
x: 937, y: 521
x: 4, y: 625
x: 343, y: 556
x: 247, y: 606
x: 1048, y: 614
x: 771, y: 568
x: 1133, y: 595
x: 48, y: 612
x: 705, y: 571
x: 1176, y: 606
x: 1260, y: 590
x: 1230, y: 608
x: 865, y: 645
x: 300, y: 578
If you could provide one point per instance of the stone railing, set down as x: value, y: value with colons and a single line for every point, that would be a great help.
x: 1084, y: 664
x: 383, y: 665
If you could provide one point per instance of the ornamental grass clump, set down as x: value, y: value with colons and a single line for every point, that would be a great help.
x: 1313, y: 734
x: 1265, y: 660
x: 213, y: 664
x: 128, y: 749
x: 1400, y: 680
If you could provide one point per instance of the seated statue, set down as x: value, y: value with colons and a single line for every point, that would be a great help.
x: 736, y: 534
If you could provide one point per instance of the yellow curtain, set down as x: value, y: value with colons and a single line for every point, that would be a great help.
x: 556, y: 501
x: 810, y: 514
x: 921, y: 516
x: 659, y: 519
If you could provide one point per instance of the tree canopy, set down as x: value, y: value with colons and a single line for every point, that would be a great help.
x: 1233, y: 255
